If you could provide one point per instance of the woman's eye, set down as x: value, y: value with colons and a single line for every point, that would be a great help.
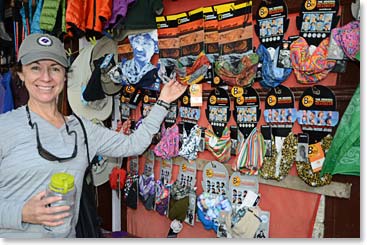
x: 35, y: 68
x: 55, y: 69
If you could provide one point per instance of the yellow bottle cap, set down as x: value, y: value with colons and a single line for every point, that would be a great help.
x: 62, y: 183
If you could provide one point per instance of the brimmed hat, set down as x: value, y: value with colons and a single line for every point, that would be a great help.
x: 104, y: 47
x: 101, y: 172
x: 78, y: 77
x: 42, y: 47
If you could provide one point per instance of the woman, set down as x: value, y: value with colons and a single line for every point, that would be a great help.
x: 40, y: 141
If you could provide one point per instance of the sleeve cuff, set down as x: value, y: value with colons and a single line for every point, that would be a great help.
x: 11, y: 217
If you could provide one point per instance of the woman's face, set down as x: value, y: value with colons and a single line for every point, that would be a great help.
x: 44, y: 80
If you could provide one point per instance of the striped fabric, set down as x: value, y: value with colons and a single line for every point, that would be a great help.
x: 222, y: 148
x: 252, y: 151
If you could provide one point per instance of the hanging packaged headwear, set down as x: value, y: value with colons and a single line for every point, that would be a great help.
x: 190, y: 143
x: 347, y: 37
x: 310, y: 68
x: 166, y: 70
x: 189, y: 75
x: 162, y: 197
x: 168, y: 146
x: 305, y: 170
x: 240, y: 72
x: 252, y: 151
x: 139, y: 70
x: 283, y: 152
x: 272, y: 75
x: 219, y: 147
x: 131, y: 190
x: 147, y: 190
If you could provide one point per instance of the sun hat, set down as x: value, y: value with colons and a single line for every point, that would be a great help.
x: 78, y: 77
x: 102, y: 170
x: 106, y: 46
x: 42, y: 47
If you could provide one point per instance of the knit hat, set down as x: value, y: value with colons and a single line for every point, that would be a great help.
x: 42, y: 47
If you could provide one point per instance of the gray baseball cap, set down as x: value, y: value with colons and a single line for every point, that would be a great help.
x: 38, y: 46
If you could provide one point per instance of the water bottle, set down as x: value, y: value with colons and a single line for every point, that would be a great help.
x: 62, y: 184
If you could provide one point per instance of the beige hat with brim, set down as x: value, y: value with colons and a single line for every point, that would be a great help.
x: 78, y: 77
x: 101, y: 172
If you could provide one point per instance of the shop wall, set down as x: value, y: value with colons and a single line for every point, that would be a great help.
x: 292, y: 212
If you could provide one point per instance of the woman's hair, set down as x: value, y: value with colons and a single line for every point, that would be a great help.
x: 19, y: 67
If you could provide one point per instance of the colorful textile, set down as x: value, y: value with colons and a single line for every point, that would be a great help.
x: 190, y: 143
x: 305, y: 171
x: 347, y: 37
x: 250, y: 158
x: 344, y: 156
x: 210, y: 207
x: 161, y: 198
x: 188, y: 75
x: 147, y: 191
x: 272, y: 76
x: 240, y: 72
x: 221, y: 147
x: 310, y: 68
x: 283, y: 153
x: 168, y: 146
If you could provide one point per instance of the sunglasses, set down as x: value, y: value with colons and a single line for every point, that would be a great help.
x: 45, y: 153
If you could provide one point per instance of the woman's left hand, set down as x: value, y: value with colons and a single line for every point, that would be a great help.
x: 171, y: 91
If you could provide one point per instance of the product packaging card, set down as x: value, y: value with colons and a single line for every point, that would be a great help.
x: 191, y: 32
x: 215, y: 178
x: 134, y: 165
x: 165, y: 170
x: 168, y: 37
x: 243, y: 190
x: 263, y: 230
x: 187, y: 174
x: 149, y: 163
x: 234, y: 27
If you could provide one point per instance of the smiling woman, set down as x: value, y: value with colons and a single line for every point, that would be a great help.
x: 41, y: 141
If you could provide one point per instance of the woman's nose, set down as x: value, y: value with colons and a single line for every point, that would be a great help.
x: 45, y: 75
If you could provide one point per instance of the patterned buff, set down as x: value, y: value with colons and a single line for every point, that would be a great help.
x: 165, y: 72
x: 272, y: 75
x: 161, y: 200
x: 241, y: 75
x: 344, y: 156
x: 194, y: 74
x: 219, y: 147
x: 190, y: 143
x: 210, y: 208
x: 347, y: 37
x: 132, y: 73
x: 282, y: 157
x: 147, y: 191
x: 168, y: 146
x: 310, y: 68
x: 304, y: 169
x: 250, y: 158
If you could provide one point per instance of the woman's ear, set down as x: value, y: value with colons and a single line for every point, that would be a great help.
x: 20, y: 75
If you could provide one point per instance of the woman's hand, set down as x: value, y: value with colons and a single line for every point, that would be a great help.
x: 124, y: 127
x: 36, y: 211
x: 171, y: 91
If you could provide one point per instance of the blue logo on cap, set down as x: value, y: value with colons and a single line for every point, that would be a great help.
x: 44, y: 41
